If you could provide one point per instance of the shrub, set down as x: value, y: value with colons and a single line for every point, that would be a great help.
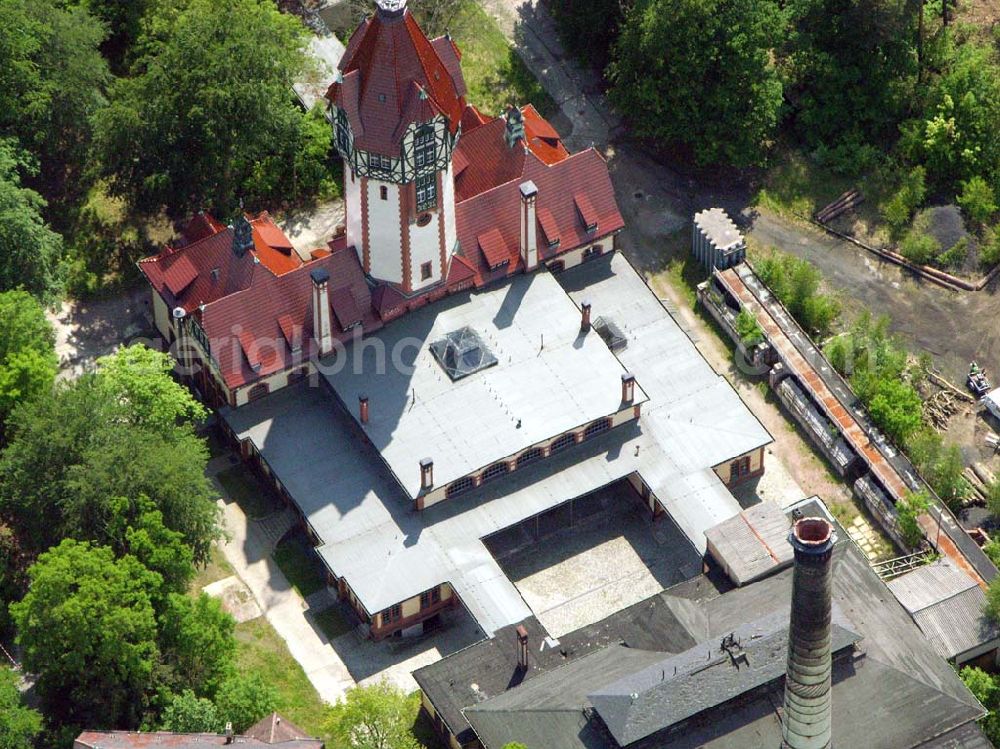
x: 899, y: 208
x: 909, y: 508
x: 747, y: 329
x: 955, y: 256
x: 919, y: 247
x: 977, y: 200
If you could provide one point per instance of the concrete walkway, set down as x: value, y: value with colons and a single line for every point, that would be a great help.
x: 248, y: 550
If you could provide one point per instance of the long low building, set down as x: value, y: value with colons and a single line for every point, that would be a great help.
x: 372, y: 454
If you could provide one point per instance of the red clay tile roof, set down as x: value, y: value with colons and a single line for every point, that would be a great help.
x: 168, y: 740
x: 549, y: 226
x: 214, y: 253
x: 345, y: 307
x: 383, y: 58
x: 543, y: 140
x: 499, y: 209
x: 494, y: 248
x: 199, y: 227
x: 179, y: 275
x: 586, y: 210
x: 276, y: 304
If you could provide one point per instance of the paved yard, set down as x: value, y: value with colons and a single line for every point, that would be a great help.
x: 614, y: 557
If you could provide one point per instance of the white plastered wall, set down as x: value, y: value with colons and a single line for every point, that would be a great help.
x: 352, y: 208
x: 384, y: 237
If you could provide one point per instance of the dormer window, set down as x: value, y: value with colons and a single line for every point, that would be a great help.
x: 423, y: 146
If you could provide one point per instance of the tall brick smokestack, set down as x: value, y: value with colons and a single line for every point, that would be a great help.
x: 807, y: 720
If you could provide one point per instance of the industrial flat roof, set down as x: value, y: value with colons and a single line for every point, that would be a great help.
x: 947, y: 605
x: 753, y: 543
x: 387, y: 552
x: 905, y: 693
x: 548, y: 379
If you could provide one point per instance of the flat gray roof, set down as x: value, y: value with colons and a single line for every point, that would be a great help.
x: 388, y: 552
x: 548, y: 379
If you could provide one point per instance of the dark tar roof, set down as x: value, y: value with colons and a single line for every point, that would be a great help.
x: 894, y: 693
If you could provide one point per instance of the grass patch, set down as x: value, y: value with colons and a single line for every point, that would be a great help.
x: 494, y: 74
x: 796, y: 187
x: 298, y: 563
x: 216, y: 569
x: 243, y: 487
x: 261, y: 650
x: 332, y: 622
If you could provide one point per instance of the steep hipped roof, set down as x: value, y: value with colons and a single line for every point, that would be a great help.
x: 386, y: 57
x: 274, y: 729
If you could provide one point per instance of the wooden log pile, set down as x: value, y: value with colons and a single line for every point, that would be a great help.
x: 940, y: 407
x: 979, y: 479
x: 847, y: 201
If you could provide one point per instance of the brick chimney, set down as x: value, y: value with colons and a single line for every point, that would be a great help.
x: 585, y: 317
x: 807, y: 719
x: 426, y: 474
x: 529, y: 226
x: 363, y: 409
x: 522, y: 648
x: 322, y: 331
x: 628, y: 387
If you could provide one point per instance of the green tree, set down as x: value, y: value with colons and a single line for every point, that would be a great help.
x: 139, y: 377
x: 51, y: 84
x: 188, y: 713
x: 196, y: 639
x: 909, y: 508
x: 28, y: 362
x: 796, y: 283
x: 514, y: 745
x: 993, y: 600
x: 747, y: 328
x: 919, y: 247
x: 978, y: 200
x: 899, y: 208
x: 30, y: 252
x: 207, y: 115
x: 377, y: 716
x: 87, y: 629
x: 19, y: 725
x: 957, y: 139
x: 701, y: 73
x: 243, y: 699
x: 896, y: 407
x: 852, y: 69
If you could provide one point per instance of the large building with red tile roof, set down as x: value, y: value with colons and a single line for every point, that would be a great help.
x: 439, y: 198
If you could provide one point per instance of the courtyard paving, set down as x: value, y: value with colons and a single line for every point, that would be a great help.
x: 611, y: 559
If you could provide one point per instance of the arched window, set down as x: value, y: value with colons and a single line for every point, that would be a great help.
x: 529, y: 456
x: 257, y: 391
x: 563, y: 442
x: 595, y: 428
x: 458, y: 487
x: 496, y: 470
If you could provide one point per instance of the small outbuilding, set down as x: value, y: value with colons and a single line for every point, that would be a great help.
x: 716, y: 242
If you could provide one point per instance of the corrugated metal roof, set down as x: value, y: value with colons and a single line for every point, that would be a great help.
x: 958, y: 624
x: 929, y: 584
x: 752, y: 544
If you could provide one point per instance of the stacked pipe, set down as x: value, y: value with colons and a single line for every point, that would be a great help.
x: 807, y: 719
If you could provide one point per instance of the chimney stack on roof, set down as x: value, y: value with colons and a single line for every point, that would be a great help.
x: 522, y: 648
x: 363, y: 409
x: 426, y: 474
x: 529, y: 225
x: 807, y: 719
x: 585, y: 317
x: 322, y: 331
x: 628, y: 387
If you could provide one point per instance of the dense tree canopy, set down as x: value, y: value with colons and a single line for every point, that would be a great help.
x: 98, y: 445
x: 88, y: 630
x: 243, y: 699
x: 189, y: 713
x: 28, y: 362
x: 207, y: 115
x: 19, y: 725
x: 196, y: 638
x: 30, y: 252
x: 701, y: 73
